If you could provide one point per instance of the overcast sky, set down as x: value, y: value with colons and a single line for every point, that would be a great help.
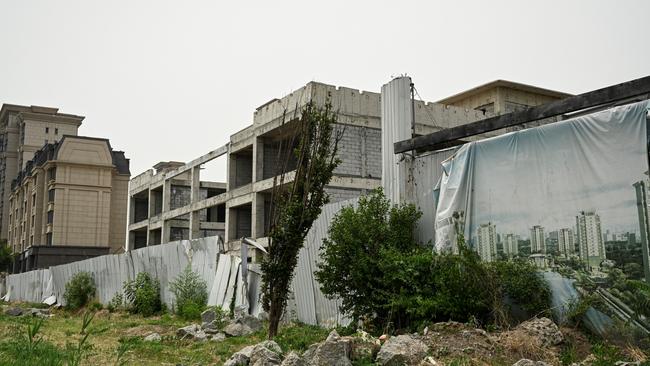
x: 172, y: 80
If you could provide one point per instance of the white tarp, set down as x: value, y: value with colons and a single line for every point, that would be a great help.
x: 565, y: 196
x: 546, y: 177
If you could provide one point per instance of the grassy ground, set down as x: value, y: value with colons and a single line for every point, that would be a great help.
x: 116, y: 338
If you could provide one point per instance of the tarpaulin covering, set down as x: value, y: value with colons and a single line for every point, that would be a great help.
x: 565, y: 196
x: 546, y: 176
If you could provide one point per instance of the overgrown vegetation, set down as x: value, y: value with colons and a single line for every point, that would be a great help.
x: 30, y: 348
x: 387, y: 279
x: 191, y: 294
x: 116, y: 303
x: 80, y: 290
x: 143, y: 295
x: 298, y: 203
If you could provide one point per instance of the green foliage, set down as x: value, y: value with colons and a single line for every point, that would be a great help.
x: 116, y: 303
x: 569, y: 354
x: 299, y: 338
x: 385, y: 278
x: 520, y: 281
x: 297, y: 204
x: 605, y: 354
x: 79, y: 290
x: 31, y: 349
x: 191, y: 294
x: 143, y: 295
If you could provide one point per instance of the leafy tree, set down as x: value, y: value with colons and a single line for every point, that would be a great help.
x: 297, y: 204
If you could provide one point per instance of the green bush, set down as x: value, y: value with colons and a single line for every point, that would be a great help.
x: 191, y: 294
x: 79, y: 290
x: 116, y: 302
x: 387, y: 279
x: 521, y: 282
x: 143, y: 295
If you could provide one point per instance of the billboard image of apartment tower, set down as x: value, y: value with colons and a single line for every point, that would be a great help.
x: 565, y: 242
x: 510, y: 245
x: 487, y: 241
x: 590, y: 239
x: 537, y: 242
x: 641, y: 188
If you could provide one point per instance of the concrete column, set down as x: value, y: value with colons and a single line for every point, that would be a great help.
x: 258, y: 159
x: 231, y: 224
x: 195, y: 224
x: 166, y: 228
x: 257, y: 210
x: 167, y: 195
x: 195, y: 184
x: 152, y: 203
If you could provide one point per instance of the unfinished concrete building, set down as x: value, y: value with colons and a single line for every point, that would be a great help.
x: 240, y: 207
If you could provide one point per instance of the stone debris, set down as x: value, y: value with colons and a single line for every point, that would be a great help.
x: 192, y: 332
x: 218, y: 337
x: 402, y: 350
x: 543, y: 329
x: 265, y: 353
x: 335, y: 350
x: 430, y: 361
x: 527, y: 362
x: 293, y: 359
x: 153, y: 337
x: 208, y: 316
x: 14, y: 312
x: 243, y: 326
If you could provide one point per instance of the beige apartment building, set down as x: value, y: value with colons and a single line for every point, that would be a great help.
x: 23, y: 131
x: 68, y: 203
x: 172, y: 203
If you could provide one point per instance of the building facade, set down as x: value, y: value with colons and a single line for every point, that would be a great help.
x: 590, y: 239
x: 510, y: 245
x: 256, y: 155
x: 68, y: 203
x: 486, y: 241
x: 537, y: 240
x: 23, y: 131
x: 565, y: 242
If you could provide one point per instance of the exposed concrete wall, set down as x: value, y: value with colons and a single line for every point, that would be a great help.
x: 341, y: 194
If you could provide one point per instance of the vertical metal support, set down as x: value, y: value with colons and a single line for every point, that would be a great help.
x: 396, y: 125
x: 412, y: 109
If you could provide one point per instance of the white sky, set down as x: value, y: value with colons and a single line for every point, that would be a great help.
x: 172, y: 80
